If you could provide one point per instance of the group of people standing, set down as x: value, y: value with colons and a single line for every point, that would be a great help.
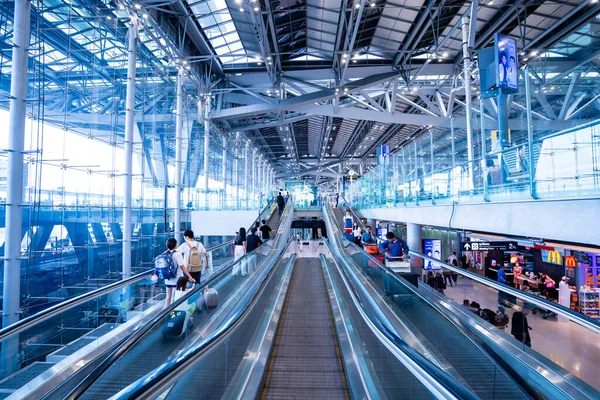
x: 246, y: 243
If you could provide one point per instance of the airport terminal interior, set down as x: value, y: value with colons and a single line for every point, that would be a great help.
x: 300, y: 199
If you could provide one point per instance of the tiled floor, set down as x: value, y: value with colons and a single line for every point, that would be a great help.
x: 308, y: 249
x: 569, y: 345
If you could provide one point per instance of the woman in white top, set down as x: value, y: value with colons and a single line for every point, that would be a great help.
x: 357, y: 234
x: 239, y: 250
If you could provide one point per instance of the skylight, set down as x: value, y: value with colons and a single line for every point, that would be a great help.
x: 216, y: 23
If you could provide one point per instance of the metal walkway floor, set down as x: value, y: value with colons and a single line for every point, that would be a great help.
x: 306, y: 362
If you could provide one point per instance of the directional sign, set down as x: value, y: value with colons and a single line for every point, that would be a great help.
x: 489, y: 246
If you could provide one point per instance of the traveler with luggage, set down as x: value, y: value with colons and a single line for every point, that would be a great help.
x: 280, y: 203
x: 520, y: 327
x: 194, y: 255
x: 394, y: 249
x: 265, y: 230
x: 368, y: 239
x: 170, y: 267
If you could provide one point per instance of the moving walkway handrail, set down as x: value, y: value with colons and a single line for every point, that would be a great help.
x: 437, y: 381
x: 580, y: 319
x: 154, y: 381
x: 56, y: 309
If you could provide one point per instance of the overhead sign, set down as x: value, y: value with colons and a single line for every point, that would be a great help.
x: 489, y: 246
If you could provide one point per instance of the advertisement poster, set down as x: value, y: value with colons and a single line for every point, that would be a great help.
x: 506, y: 60
x: 432, y: 248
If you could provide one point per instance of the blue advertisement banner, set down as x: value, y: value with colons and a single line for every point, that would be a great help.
x: 432, y: 248
x: 506, y: 62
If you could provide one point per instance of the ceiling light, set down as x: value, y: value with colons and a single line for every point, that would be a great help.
x: 534, y: 53
x: 373, y: 4
x: 241, y: 9
x: 354, y: 61
x: 121, y: 7
x: 145, y: 16
x: 357, y: 6
x: 108, y: 17
x: 137, y: 6
x: 238, y: 1
x: 256, y: 9
x: 445, y: 54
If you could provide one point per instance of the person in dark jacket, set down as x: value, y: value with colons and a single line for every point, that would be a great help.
x: 280, y: 202
x: 253, y: 242
x: 520, y: 327
x: 265, y: 230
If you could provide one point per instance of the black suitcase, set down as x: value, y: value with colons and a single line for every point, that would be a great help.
x: 176, y: 324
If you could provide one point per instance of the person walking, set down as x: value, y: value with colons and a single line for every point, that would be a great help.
x: 520, y: 327
x: 239, y: 250
x: 280, y: 202
x: 193, y: 252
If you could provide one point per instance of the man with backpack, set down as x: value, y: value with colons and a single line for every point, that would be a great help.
x: 193, y: 253
x: 170, y: 267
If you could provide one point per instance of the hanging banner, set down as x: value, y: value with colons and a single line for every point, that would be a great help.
x: 506, y: 61
x: 384, y: 154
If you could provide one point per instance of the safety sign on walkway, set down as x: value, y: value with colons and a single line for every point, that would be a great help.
x: 489, y: 246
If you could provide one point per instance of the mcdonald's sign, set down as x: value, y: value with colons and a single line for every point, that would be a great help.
x: 570, y: 262
x: 554, y: 257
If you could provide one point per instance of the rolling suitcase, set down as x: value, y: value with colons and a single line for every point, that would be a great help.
x: 176, y: 324
x: 210, y: 298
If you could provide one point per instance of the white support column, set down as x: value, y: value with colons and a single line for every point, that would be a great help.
x: 253, y: 188
x: 246, y: 178
x: 414, y: 242
x: 236, y: 170
x: 467, y: 80
x: 129, y: 125
x: 224, y: 174
x: 178, y: 152
x: 206, y: 147
x: 14, y: 190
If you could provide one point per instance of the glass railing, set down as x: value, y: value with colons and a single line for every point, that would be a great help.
x: 427, y: 315
x: 561, y: 165
x: 137, y: 329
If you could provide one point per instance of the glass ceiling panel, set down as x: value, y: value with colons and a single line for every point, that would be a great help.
x: 223, y: 33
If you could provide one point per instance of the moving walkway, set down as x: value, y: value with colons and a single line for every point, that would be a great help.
x: 66, y: 363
